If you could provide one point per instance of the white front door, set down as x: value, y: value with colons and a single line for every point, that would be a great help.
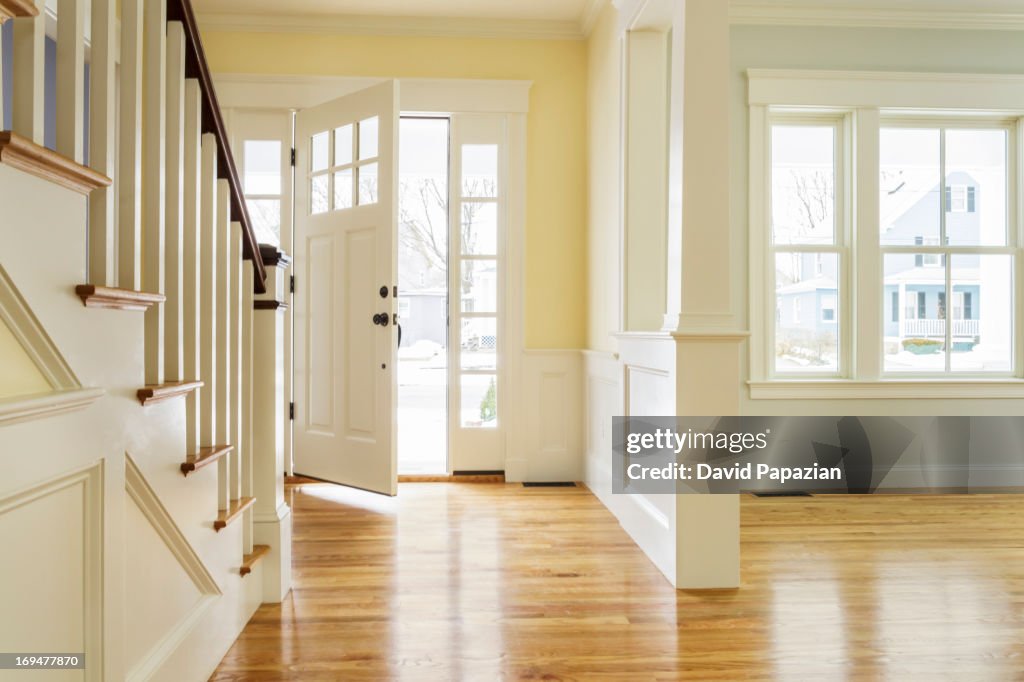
x: 345, y: 341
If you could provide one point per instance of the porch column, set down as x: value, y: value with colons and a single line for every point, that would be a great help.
x: 703, y: 268
x: 272, y: 516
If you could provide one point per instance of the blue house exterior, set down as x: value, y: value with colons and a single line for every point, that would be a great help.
x: 915, y: 305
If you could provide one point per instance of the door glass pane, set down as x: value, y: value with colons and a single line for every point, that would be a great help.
x: 266, y: 220
x: 423, y: 296
x: 806, y: 312
x: 368, y: 132
x: 479, y: 341
x: 803, y: 184
x: 479, y: 228
x: 320, y: 154
x: 915, y: 331
x: 976, y: 187
x: 343, y: 145
x: 367, y: 184
x: 318, y: 194
x: 479, y: 286
x: 982, y: 315
x: 343, y: 189
x: 479, y: 407
x: 909, y: 186
x: 480, y: 170
x: 262, y: 167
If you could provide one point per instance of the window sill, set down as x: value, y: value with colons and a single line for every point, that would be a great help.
x: 886, y: 389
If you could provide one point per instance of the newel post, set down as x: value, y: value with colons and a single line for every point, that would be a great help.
x: 272, y: 517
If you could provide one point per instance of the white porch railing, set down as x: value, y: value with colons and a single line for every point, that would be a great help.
x: 937, y: 328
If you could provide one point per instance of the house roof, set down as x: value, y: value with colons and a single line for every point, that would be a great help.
x: 816, y: 284
x: 934, y: 275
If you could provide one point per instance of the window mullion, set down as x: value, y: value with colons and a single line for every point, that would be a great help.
x: 865, y: 315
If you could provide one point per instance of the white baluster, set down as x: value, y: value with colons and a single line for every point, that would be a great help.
x: 129, y: 192
x: 248, y: 278
x: 193, y: 180
x: 208, y: 294
x: 29, y: 74
x: 174, y: 192
x: 235, y: 357
x: 71, y: 79
x: 224, y: 267
x: 102, y: 140
x: 154, y: 179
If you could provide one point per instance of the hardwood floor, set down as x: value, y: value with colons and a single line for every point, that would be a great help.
x: 492, y: 582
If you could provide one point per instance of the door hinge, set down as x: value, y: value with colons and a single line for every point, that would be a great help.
x: 291, y: 285
x: 291, y: 411
x: 293, y: 157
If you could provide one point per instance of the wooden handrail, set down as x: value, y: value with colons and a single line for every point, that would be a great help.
x: 213, y: 122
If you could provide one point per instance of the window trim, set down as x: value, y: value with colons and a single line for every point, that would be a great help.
x: 864, y: 97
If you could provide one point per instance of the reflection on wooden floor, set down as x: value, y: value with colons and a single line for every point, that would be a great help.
x: 492, y: 582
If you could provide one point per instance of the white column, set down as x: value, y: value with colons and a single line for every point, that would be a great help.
x: 703, y: 274
x: 103, y: 140
x: 129, y: 185
x: 70, y: 102
x: 272, y: 518
x: 29, y: 74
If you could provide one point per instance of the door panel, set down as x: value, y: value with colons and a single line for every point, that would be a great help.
x: 346, y: 225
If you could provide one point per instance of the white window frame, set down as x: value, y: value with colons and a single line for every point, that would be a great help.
x: 840, y: 246
x: 864, y: 99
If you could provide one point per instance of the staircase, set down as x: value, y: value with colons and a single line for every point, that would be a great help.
x: 129, y: 274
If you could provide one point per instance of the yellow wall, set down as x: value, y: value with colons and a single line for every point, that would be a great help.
x: 555, y: 266
x: 603, y: 181
x: 18, y: 374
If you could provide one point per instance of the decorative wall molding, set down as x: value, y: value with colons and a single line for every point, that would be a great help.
x: 298, y: 91
x: 24, y: 408
x: 91, y: 519
x: 591, y: 13
x: 432, y: 27
x: 146, y: 499
x: 879, y: 16
x: 29, y: 332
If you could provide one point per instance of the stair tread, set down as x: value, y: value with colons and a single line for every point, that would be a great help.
x: 118, y: 299
x: 234, y: 510
x: 157, y: 394
x: 25, y: 155
x: 204, y: 457
x: 249, y: 560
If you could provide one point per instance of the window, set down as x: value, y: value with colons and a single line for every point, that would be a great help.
x: 261, y: 182
x: 828, y: 308
x: 343, y: 169
x: 946, y: 249
x: 958, y: 250
x: 808, y: 243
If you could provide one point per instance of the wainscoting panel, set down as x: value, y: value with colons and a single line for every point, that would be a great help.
x: 549, y: 444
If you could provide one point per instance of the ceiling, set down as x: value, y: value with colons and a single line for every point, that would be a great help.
x: 523, y: 10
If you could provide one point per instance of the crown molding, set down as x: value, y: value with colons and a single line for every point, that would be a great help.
x: 796, y: 14
x: 435, y: 27
x: 591, y: 13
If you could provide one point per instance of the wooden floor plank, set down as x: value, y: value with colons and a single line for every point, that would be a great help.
x: 492, y: 582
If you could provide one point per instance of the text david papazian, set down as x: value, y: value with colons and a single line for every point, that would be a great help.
x: 734, y: 472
